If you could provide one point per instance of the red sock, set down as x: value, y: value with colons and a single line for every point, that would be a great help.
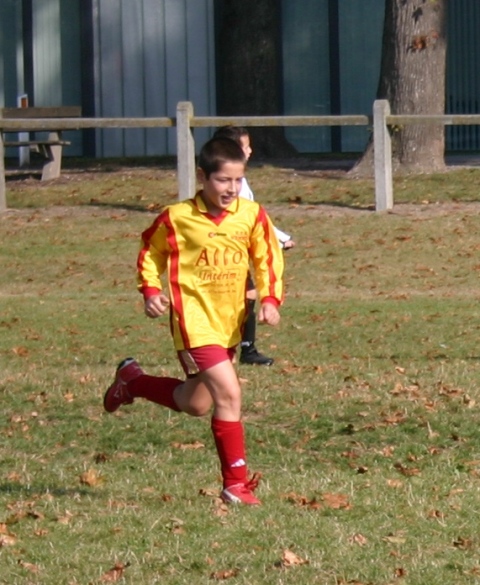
x: 230, y: 443
x: 158, y: 390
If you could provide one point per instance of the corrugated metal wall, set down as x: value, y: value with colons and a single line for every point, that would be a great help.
x: 360, y: 57
x: 331, y: 63
x: 149, y: 55
x: 55, y: 56
x: 11, y: 52
x: 463, y: 72
x: 327, y: 58
x: 306, y: 70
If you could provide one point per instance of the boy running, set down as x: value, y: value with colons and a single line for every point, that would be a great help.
x: 205, y: 246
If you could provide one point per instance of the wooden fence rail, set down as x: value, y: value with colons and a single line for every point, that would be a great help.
x: 382, y: 120
x: 185, y: 122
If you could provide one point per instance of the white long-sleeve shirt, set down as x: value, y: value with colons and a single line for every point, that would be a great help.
x: 247, y: 193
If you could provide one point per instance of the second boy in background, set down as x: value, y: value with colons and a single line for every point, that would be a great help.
x: 248, y: 352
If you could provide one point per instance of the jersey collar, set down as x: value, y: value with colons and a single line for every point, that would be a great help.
x: 232, y: 208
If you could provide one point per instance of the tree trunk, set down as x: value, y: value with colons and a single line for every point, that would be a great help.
x: 249, y: 68
x: 412, y: 79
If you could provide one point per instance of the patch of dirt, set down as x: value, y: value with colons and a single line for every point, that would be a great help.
x: 75, y: 171
x: 403, y: 209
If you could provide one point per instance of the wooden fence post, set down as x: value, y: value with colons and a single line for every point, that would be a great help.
x: 3, y: 195
x: 185, y: 152
x: 382, y: 145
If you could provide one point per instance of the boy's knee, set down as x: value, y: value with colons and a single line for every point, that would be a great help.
x: 197, y: 410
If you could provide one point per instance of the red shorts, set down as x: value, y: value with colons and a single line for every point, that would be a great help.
x: 199, y: 359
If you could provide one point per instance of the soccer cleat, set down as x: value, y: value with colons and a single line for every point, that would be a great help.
x: 251, y: 356
x: 242, y: 493
x: 117, y: 394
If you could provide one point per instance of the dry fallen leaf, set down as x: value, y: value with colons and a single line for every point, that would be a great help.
x: 336, y: 501
x: 223, y: 575
x: 463, y: 542
x: 185, y: 446
x: 290, y: 559
x: 29, y: 566
x: 394, y: 539
x: 14, y: 476
x: 208, y: 492
x: 7, y: 540
x: 20, y: 351
x: 358, y: 539
x: 90, y: 478
x: 65, y: 519
x: 395, y: 418
x: 303, y: 501
x: 436, y: 514
x: 115, y: 573
x: 220, y: 509
x: 407, y: 471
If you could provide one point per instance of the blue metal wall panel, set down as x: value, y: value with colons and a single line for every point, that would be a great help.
x: 360, y: 42
x: 11, y: 52
x: 200, y: 46
x: 134, y: 73
x: 11, y: 57
x: 176, y: 71
x: 109, y: 84
x: 70, y: 43
x: 306, y: 72
x: 47, y: 59
x: 463, y: 72
x: 150, y: 55
x: 56, y: 56
x: 155, y: 81
x: 70, y: 71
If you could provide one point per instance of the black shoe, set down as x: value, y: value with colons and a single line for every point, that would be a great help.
x: 250, y: 355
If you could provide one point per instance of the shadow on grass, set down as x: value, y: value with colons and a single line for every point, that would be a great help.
x: 37, y: 489
x: 303, y: 163
x: 339, y: 204
x: 23, y: 175
x: 124, y: 206
x: 158, y: 208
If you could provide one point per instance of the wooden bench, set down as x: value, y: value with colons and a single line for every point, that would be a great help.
x: 51, y: 147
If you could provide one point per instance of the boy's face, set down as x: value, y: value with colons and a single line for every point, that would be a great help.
x: 221, y: 187
x: 245, y: 145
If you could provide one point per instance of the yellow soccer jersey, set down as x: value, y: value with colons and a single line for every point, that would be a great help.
x: 207, y: 261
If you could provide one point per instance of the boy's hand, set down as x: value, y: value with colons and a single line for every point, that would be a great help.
x: 156, y: 305
x: 269, y: 314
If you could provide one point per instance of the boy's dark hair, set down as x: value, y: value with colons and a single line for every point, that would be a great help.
x: 216, y: 152
x: 233, y: 132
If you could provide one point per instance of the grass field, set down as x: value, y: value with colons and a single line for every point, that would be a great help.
x: 365, y: 429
